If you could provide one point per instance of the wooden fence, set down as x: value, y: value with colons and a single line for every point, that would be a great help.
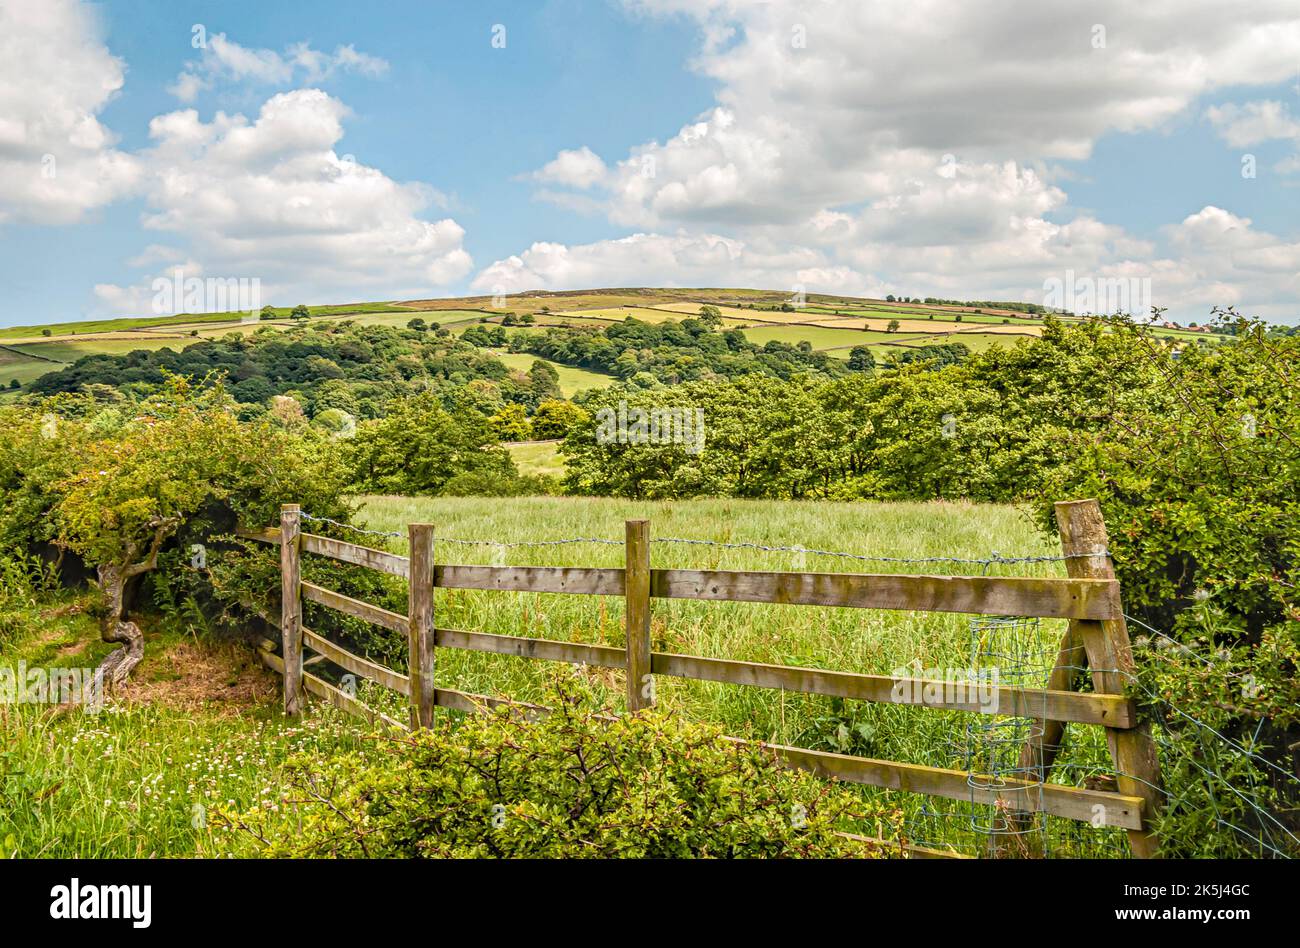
x: 1096, y: 638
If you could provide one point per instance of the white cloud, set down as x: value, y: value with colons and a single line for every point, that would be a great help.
x: 1253, y: 122
x: 271, y: 199
x: 910, y: 144
x: 827, y: 104
x: 659, y: 260
x: 579, y: 169
x: 223, y: 60
x: 57, y: 160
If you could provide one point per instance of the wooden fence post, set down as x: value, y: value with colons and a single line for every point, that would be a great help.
x: 640, y: 684
x: 1110, y: 656
x: 291, y: 606
x: 420, y: 623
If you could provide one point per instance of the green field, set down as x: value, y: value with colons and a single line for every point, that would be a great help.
x: 620, y: 313
x: 975, y: 341
x: 69, y: 350
x: 572, y: 379
x: 537, y: 457
x: 183, y: 319
x: 21, y: 366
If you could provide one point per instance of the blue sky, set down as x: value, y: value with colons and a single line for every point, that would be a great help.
x: 343, y: 151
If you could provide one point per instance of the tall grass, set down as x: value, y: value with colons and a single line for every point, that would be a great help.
x: 137, y: 779
x: 825, y: 637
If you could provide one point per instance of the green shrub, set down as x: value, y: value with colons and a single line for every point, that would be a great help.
x: 1197, y: 483
x: 23, y: 580
x: 577, y: 783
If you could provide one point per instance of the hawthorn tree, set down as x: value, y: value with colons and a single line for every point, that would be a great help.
x: 183, y: 463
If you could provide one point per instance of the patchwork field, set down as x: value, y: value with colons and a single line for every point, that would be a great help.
x: 822, y: 337
x: 830, y: 323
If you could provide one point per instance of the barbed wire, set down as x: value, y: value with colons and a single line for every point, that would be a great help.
x: 994, y: 557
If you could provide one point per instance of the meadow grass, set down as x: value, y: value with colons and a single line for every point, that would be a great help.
x: 841, y: 639
x: 537, y: 457
x: 572, y: 379
x: 199, y: 731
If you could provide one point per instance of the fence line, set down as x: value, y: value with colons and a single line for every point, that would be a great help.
x: 994, y: 556
x: 1090, y: 599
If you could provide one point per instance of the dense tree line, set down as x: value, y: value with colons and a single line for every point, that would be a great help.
x: 339, y: 368
x: 673, y: 352
x: 986, y: 427
x: 1034, y: 309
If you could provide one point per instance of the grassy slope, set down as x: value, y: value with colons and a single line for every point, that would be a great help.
x: 537, y: 457
x: 572, y: 380
x: 140, y: 322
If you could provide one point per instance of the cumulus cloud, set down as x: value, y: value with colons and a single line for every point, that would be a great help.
x: 1254, y: 123
x: 222, y: 60
x: 911, y: 144
x: 270, y: 198
x: 660, y: 260
x: 580, y: 168
x: 57, y: 161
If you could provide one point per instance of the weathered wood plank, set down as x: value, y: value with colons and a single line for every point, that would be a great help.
x: 472, y: 703
x: 1112, y: 710
x: 602, y: 656
x: 272, y: 661
x: 540, y: 579
x: 420, y: 623
x: 980, y: 595
x: 323, y: 689
x: 356, y: 664
x: 291, y: 607
x: 355, y: 607
x: 380, y: 560
x: 261, y: 534
x: 640, y: 678
x: 1073, y: 803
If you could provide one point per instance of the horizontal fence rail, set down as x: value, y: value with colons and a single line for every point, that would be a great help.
x: 976, y: 595
x: 1090, y: 600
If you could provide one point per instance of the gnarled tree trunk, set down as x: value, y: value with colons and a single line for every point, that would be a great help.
x: 117, y: 628
x: 113, y: 579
